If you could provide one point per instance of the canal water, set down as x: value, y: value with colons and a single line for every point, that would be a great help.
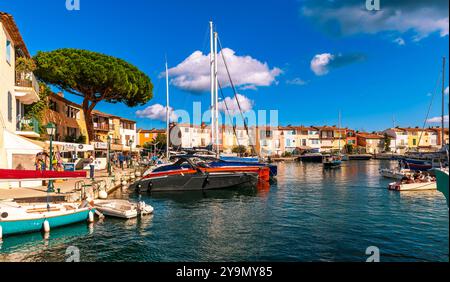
x: 310, y: 214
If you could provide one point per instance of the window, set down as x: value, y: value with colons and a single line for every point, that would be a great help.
x: 72, y: 132
x: 414, y: 142
x: 288, y: 142
x: 315, y: 141
x: 71, y: 112
x: 53, y: 106
x: 303, y: 142
x: 8, y: 51
x: 147, y: 135
x: 10, y: 107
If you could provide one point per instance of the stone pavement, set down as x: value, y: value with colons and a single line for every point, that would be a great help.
x: 66, y: 188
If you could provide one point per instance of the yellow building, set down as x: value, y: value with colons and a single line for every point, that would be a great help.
x: 148, y: 136
x: 68, y: 118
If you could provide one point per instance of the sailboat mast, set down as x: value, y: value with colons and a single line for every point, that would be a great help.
x: 167, y: 114
x: 216, y: 102
x: 212, y: 83
x: 340, y: 131
x: 443, y: 104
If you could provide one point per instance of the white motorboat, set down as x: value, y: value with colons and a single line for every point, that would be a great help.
x: 395, y: 173
x: 122, y: 208
x: 418, y: 186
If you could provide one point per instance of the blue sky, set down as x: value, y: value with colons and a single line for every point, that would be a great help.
x: 365, y: 73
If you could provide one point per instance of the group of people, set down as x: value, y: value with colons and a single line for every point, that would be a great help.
x: 119, y: 160
x: 418, y: 177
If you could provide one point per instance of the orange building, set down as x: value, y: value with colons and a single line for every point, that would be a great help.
x: 145, y: 135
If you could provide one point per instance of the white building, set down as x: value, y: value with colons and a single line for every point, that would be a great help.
x: 16, y: 90
x: 128, y: 133
x: 191, y: 136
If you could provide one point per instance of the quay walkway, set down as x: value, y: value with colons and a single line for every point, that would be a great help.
x: 71, y: 190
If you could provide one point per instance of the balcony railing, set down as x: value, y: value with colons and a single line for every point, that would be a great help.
x: 27, y: 79
x: 99, y: 126
x: 28, y: 125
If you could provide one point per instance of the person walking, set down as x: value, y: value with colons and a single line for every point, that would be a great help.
x: 91, y: 161
x: 121, y: 160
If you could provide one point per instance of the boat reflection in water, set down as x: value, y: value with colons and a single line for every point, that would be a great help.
x: 33, y: 246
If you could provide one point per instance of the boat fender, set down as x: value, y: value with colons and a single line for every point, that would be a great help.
x: 102, y: 194
x: 91, y: 217
x: 46, y: 226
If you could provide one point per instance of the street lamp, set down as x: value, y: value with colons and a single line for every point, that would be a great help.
x: 109, y: 155
x: 131, y: 152
x: 51, y: 130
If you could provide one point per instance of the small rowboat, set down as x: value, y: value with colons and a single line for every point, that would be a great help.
x: 395, y: 173
x: 419, y: 186
x: 122, y: 208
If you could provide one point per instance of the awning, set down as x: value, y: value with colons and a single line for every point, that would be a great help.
x: 71, y: 147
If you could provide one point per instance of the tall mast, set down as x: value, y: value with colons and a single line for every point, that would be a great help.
x: 340, y: 132
x: 443, y: 103
x: 212, y: 82
x: 167, y: 113
x: 216, y: 102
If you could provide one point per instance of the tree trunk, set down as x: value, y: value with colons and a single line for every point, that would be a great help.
x: 87, y: 111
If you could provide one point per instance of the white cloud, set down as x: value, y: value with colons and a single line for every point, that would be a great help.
x: 400, y: 41
x: 446, y: 91
x: 401, y: 16
x: 437, y: 119
x: 245, y: 103
x: 320, y: 63
x: 297, y: 81
x: 193, y: 74
x: 156, y: 112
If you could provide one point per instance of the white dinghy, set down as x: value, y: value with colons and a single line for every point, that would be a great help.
x: 122, y: 208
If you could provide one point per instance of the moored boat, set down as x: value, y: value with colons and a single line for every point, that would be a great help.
x: 20, y: 218
x: 442, y: 181
x: 185, y: 175
x: 122, y: 208
x: 332, y: 162
x: 311, y: 157
x: 395, y: 173
x: 361, y: 157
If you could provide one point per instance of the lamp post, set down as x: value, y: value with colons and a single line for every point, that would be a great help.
x: 131, y: 153
x: 51, y: 129
x: 109, y: 155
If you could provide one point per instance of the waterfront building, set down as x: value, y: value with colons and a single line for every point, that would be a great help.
x: 370, y: 143
x: 299, y: 138
x: 17, y: 89
x: 68, y: 118
x: 191, y: 136
x: 415, y: 139
x: 269, y: 141
x: 240, y: 138
x: 147, y: 136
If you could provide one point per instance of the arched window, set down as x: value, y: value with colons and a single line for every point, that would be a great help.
x: 10, y: 107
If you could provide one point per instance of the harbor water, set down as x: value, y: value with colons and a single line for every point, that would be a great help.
x: 310, y: 214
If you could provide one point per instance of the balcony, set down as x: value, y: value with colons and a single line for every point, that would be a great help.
x: 26, y: 88
x: 28, y: 127
x: 101, y: 126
